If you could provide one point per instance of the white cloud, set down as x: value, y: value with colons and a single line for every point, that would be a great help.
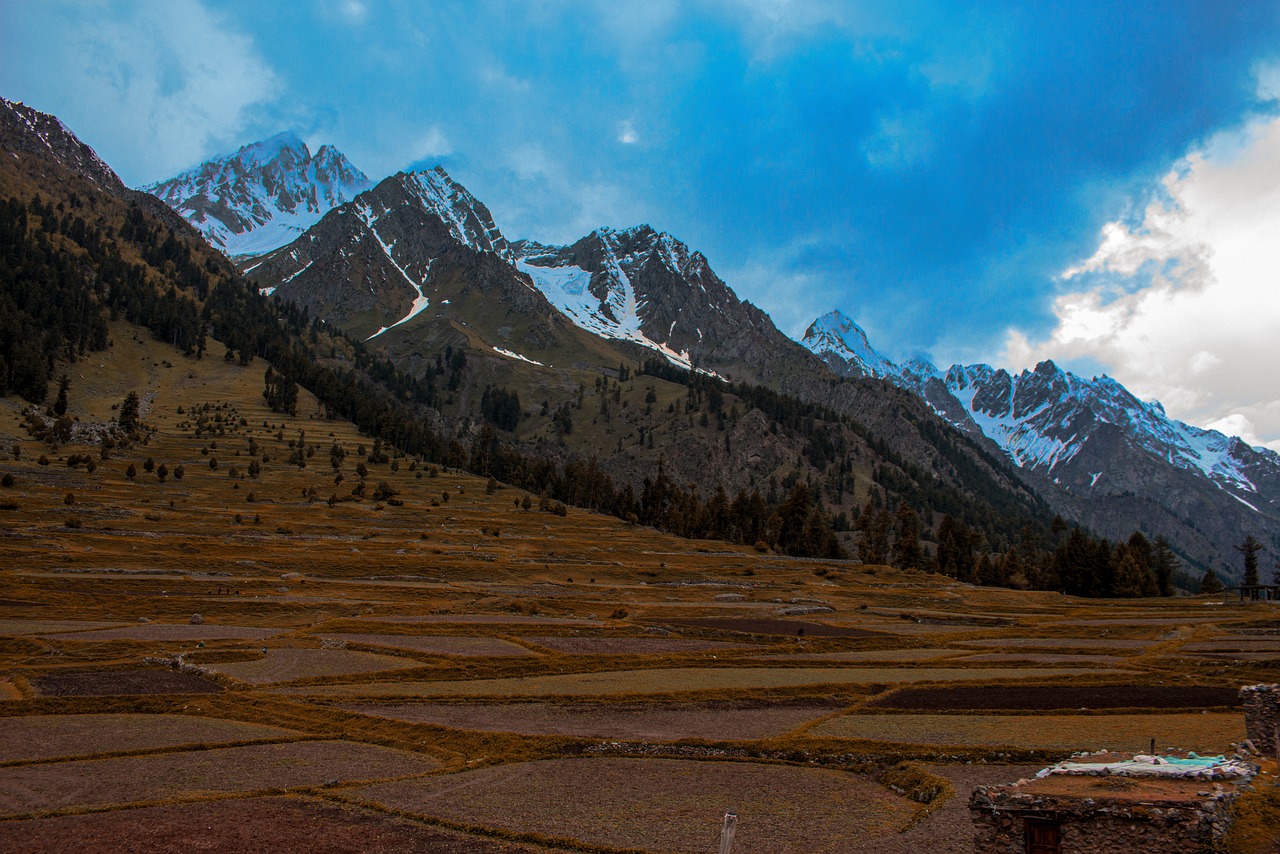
x: 627, y: 133
x: 354, y: 11
x: 551, y: 202
x: 1185, y: 306
x: 154, y: 86
x: 774, y: 279
x: 432, y: 143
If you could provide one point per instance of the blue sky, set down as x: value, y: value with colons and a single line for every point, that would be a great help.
x: 932, y: 169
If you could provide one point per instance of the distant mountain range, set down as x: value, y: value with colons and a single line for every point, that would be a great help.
x: 417, y: 259
x: 1092, y: 439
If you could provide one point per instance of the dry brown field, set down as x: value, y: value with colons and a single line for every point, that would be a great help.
x: 228, y: 653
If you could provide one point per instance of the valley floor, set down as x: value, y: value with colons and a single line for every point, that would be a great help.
x: 236, y: 663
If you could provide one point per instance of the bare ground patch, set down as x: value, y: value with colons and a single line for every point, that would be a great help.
x: 284, y: 665
x: 1203, y: 732
x: 630, y: 646
x: 722, y: 721
x: 1048, y: 697
x: 109, y: 683
x: 248, y: 826
x: 660, y: 804
x: 869, y: 656
x: 496, y: 619
x: 170, y: 632
x: 767, y: 626
x: 134, y: 779
x: 677, y: 679
x: 52, y: 736
x: 440, y: 644
x: 1058, y: 643
x: 1045, y: 658
x: 43, y: 627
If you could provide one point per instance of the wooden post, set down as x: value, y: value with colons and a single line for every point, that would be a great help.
x: 726, y: 833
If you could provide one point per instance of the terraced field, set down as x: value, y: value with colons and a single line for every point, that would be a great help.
x: 222, y: 656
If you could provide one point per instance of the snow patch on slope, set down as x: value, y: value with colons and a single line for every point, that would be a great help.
x: 568, y: 289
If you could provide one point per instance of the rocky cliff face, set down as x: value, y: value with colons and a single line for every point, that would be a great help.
x: 646, y: 287
x: 263, y: 196
x: 31, y: 133
x: 416, y: 248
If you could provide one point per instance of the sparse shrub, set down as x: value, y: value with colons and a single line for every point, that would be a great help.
x: 251, y: 498
x: 72, y: 522
x: 383, y: 491
x: 434, y: 471
x: 178, y: 471
x: 69, y: 499
x: 7, y: 480
x: 821, y: 572
x: 131, y: 472
x: 149, y: 465
x: 619, y: 614
x: 162, y: 471
x: 396, y: 502
x: 44, y: 460
x: 444, y: 496
x: 761, y: 546
x: 213, y: 463
x: 491, y: 486
x: 239, y: 519
x: 526, y: 502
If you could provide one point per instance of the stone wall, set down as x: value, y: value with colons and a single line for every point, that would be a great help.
x: 1262, y: 715
x: 1089, y: 826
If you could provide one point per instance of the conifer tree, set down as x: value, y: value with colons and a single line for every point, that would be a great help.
x: 1250, y: 548
x: 1164, y: 564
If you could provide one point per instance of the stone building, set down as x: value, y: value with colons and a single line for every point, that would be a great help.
x: 1262, y: 717
x: 1111, y: 804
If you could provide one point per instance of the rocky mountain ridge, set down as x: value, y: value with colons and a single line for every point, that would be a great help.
x: 262, y: 196
x: 1091, y: 439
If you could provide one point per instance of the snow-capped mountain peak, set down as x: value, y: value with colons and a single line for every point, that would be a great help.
x: 637, y: 284
x: 842, y: 344
x: 264, y: 195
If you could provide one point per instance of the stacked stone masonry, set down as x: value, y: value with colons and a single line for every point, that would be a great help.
x: 1262, y: 716
x: 1001, y: 814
